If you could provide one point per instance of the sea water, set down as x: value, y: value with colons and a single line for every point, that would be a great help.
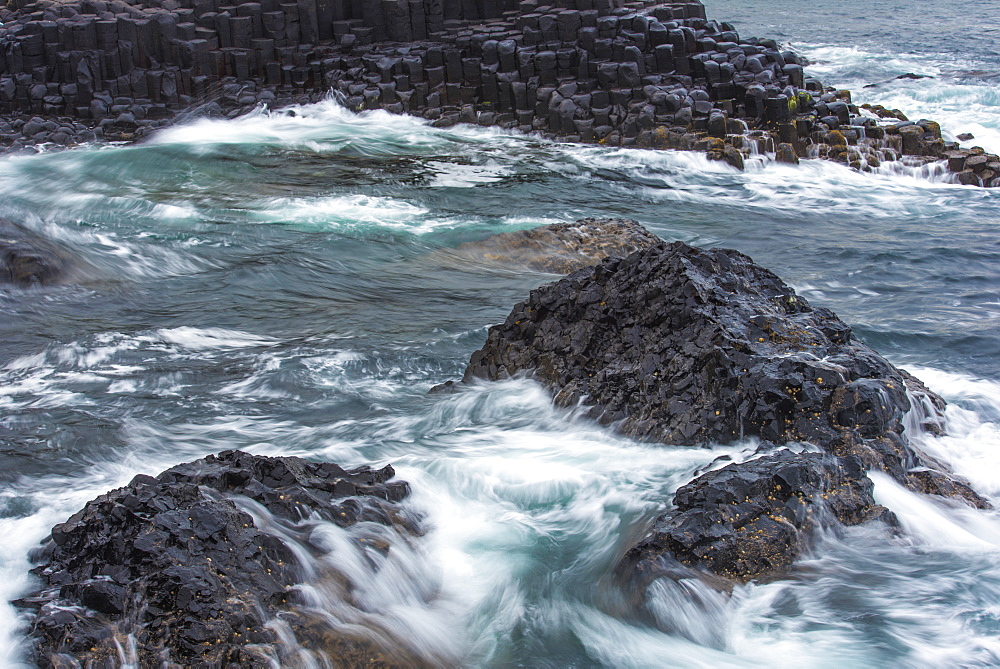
x: 277, y: 283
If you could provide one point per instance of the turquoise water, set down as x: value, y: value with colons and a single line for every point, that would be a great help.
x: 281, y: 284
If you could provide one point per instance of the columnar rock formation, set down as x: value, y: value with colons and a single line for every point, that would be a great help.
x: 640, y: 73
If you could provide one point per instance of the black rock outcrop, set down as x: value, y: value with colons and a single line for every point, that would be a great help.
x: 686, y: 346
x: 28, y: 260
x: 754, y: 518
x: 563, y: 247
x: 178, y: 567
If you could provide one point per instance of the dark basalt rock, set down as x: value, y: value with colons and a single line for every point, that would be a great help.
x: 563, y: 247
x: 753, y: 519
x: 178, y: 564
x: 687, y: 346
x: 28, y: 260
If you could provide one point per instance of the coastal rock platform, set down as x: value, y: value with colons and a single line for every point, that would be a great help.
x: 643, y: 73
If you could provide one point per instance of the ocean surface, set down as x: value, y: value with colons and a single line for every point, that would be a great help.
x: 282, y: 283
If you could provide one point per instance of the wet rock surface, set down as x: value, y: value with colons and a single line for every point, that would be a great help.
x: 182, y: 566
x: 685, y: 346
x: 28, y: 260
x: 752, y: 519
x: 563, y: 247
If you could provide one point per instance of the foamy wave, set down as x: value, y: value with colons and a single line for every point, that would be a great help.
x: 321, y: 127
x: 452, y: 175
x: 950, y: 526
x: 859, y: 65
x: 972, y: 443
x: 74, y: 374
x: 677, y: 176
x: 349, y: 211
x: 959, y: 102
x: 210, y: 338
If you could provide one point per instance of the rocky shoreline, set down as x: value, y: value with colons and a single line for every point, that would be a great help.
x: 643, y: 74
x: 202, y: 565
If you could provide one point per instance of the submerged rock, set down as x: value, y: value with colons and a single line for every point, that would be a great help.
x: 685, y: 346
x: 563, y: 247
x: 28, y: 260
x: 908, y: 75
x: 182, y: 567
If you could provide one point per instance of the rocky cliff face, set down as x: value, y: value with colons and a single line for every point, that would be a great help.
x: 178, y: 565
x: 687, y: 346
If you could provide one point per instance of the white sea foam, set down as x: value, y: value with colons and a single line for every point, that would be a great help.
x: 955, y: 526
x: 211, y: 338
x: 972, y: 443
x: 676, y: 176
x: 960, y: 104
x: 258, y: 386
x: 320, y: 127
x: 344, y: 212
x: 454, y: 175
x: 73, y: 374
x: 495, y: 494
